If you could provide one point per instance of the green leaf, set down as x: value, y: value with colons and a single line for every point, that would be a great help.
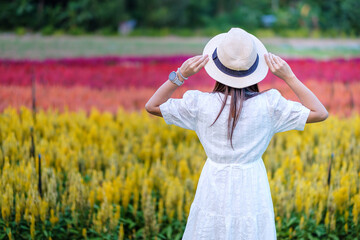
x: 24, y: 227
x: 178, y: 236
x: 332, y: 236
x: 87, y: 178
x: 291, y: 221
x: 2, y: 236
x: 46, y: 233
x: 68, y: 221
x: 169, y: 231
x: 320, y: 232
x: 139, y: 232
x: 132, y: 225
x: 128, y: 221
x: 93, y: 231
x: 130, y: 208
x: 74, y: 231
x: 311, y: 237
x: 161, y: 236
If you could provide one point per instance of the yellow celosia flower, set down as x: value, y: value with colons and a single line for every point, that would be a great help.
x: 341, y: 197
x: 53, y: 219
x: 302, y: 222
x: 356, y: 209
x: 84, y: 234
x: 9, y: 234
x: 319, y: 212
x: 43, y: 210
x: 327, y: 218
x: 32, y: 227
x: 121, y: 232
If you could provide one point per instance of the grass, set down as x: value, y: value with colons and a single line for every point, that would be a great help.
x: 40, y: 47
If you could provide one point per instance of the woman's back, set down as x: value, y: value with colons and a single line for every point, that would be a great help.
x: 261, y: 117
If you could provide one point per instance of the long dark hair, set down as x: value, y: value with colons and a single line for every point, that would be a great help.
x: 238, y: 96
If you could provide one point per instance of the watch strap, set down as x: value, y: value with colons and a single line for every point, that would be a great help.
x: 176, y: 80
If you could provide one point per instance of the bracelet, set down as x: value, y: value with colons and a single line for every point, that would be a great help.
x: 182, y: 75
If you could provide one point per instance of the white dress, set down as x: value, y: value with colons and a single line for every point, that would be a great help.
x: 233, y: 199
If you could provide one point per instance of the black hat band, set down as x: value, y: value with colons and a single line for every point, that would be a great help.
x: 234, y: 73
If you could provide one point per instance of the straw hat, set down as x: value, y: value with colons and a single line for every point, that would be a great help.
x: 236, y: 58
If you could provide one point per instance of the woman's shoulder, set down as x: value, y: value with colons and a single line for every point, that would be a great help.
x: 197, y: 98
x: 196, y: 91
x: 195, y: 94
x: 271, y: 93
x: 194, y: 97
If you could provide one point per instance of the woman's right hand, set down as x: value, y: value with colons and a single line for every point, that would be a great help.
x: 279, y: 67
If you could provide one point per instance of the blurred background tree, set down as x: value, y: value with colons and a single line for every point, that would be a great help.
x: 104, y: 16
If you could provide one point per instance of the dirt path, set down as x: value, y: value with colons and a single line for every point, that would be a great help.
x: 314, y: 42
x: 40, y: 47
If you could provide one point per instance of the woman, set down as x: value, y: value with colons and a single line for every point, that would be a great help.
x: 235, y: 124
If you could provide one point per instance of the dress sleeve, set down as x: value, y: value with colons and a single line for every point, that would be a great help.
x: 286, y: 114
x: 182, y: 112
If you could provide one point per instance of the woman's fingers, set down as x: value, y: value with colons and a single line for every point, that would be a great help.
x: 195, y: 59
x: 199, y: 60
x: 196, y: 62
x: 268, y: 62
x: 278, y: 66
x: 277, y: 59
x: 193, y: 65
x: 274, y: 62
x: 189, y: 61
x: 272, y: 59
x: 202, y: 63
x: 196, y: 65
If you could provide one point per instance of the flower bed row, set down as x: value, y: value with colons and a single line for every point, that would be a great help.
x: 337, y: 97
x: 123, y: 72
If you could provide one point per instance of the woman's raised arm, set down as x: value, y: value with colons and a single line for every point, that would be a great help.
x: 281, y: 69
x: 188, y: 68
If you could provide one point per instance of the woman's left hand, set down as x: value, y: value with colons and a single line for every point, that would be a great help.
x: 193, y: 65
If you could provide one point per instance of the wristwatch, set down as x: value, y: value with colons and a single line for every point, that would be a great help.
x: 174, y: 78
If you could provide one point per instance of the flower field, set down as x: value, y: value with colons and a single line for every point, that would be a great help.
x: 109, y: 82
x: 106, y: 169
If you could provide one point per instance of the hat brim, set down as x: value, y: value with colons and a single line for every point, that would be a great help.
x: 237, y: 82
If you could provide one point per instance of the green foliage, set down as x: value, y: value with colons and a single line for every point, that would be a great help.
x: 80, y: 16
x: 48, y: 30
x: 20, y: 31
x: 67, y: 228
x: 75, y: 16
